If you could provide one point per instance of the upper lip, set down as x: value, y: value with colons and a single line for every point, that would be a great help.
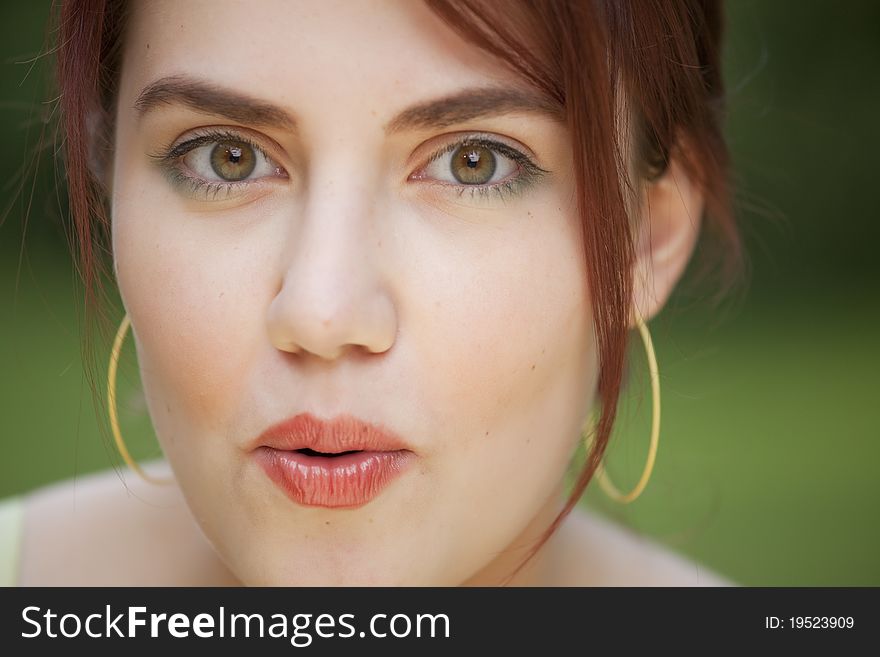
x: 343, y: 433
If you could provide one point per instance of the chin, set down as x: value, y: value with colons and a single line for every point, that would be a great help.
x: 316, y: 577
x: 361, y: 569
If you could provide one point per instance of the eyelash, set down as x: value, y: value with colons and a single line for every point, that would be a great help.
x: 528, y: 173
x: 169, y: 158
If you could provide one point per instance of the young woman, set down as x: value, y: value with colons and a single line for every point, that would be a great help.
x: 380, y: 262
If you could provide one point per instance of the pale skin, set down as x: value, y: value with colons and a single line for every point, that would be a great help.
x: 340, y: 282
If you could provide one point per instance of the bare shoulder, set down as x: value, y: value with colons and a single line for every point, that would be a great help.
x: 596, y: 551
x: 106, y: 529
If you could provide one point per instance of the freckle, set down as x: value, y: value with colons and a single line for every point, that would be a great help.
x: 327, y: 522
x: 371, y: 520
x: 487, y: 433
x: 542, y: 351
x: 533, y: 366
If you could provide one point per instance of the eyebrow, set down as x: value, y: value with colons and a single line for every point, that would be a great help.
x: 465, y: 105
x: 469, y: 104
x: 210, y: 98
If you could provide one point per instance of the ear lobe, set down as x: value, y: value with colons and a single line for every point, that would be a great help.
x: 671, y: 209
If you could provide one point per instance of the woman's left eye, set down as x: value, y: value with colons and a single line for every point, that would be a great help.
x: 481, y: 166
x: 472, y: 164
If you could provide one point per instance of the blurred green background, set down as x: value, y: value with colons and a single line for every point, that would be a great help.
x: 768, y: 463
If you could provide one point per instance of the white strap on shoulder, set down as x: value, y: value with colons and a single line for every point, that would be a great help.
x: 11, y: 517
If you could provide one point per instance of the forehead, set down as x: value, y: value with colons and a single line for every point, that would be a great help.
x: 317, y: 58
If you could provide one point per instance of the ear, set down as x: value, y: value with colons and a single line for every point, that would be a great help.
x: 670, y: 210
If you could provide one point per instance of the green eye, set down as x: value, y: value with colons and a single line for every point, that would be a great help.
x: 473, y: 164
x: 233, y: 161
x: 217, y: 163
x: 479, y: 166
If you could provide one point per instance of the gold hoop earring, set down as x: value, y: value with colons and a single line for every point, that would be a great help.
x: 111, y: 403
x: 604, y: 482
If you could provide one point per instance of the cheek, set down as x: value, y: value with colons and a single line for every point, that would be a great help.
x: 510, y: 345
x: 511, y: 366
x: 192, y: 317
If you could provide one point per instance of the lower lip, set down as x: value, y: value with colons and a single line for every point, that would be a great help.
x: 350, y: 480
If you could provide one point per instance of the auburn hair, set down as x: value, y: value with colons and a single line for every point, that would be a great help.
x: 657, y: 59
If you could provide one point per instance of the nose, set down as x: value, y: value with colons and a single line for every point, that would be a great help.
x: 332, y: 294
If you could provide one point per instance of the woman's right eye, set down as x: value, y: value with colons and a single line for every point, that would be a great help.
x: 215, y: 164
x: 229, y: 161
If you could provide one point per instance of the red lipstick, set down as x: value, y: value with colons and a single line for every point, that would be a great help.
x: 343, y: 462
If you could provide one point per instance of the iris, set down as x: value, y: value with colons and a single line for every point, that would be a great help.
x: 233, y: 160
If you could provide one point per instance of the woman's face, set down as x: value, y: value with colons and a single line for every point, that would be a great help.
x: 314, y: 258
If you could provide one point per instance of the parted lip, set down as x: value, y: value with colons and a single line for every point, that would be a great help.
x: 343, y: 433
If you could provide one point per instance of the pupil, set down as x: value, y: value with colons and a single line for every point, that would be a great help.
x: 233, y: 161
x: 473, y: 165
